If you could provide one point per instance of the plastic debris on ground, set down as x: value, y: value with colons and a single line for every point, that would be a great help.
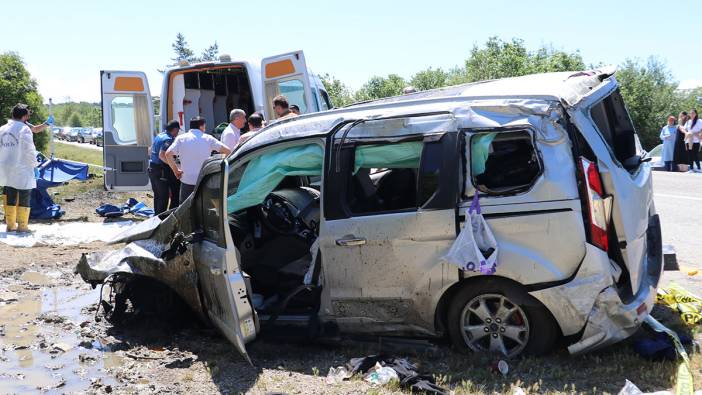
x: 337, y: 375
x: 63, y: 234
x: 381, y: 375
x: 52, y: 173
x: 379, y: 369
x: 132, y: 206
x: 683, y: 378
x: 685, y: 302
x: 631, y: 389
x: 475, y: 248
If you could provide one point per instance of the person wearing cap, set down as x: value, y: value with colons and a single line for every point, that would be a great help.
x: 295, y: 109
x: 193, y: 148
x: 18, y: 160
x: 164, y: 183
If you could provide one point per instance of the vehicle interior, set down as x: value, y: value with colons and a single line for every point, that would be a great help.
x: 211, y: 93
x: 504, y: 162
x: 274, y: 239
x: 614, y: 124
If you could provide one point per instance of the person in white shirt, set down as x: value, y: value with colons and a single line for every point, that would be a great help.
x: 232, y: 133
x: 693, y: 130
x: 193, y: 148
x: 17, y: 163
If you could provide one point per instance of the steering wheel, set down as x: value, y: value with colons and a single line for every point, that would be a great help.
x: 276, y: 214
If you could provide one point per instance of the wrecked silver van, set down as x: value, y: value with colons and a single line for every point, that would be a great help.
x: 343, y: 217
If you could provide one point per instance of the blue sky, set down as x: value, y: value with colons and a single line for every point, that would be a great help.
x: 66, y: 43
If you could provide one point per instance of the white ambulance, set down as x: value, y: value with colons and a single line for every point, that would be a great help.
x: 209, y: 89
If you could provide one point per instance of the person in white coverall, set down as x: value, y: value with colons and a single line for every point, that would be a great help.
x: 17, y: 163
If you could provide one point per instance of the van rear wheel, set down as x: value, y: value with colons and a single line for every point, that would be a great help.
x: 500, y: 318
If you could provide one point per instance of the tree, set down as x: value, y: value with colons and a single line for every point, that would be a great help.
x: 210, y: 53
x: 339, y: 93
x: 75, y: 121
x: 501, y: 59
x: 18, y: 86
x: 650, y: 94
x: 182, y: 50
x: 429, y: 79
x: 379, y: 87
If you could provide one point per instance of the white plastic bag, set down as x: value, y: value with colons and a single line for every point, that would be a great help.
x: 475, y: 248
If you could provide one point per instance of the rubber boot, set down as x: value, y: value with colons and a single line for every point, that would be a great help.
x: 11, y: 218
x: 23, y: 219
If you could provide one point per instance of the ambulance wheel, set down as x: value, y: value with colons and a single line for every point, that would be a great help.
x: 499, y: 317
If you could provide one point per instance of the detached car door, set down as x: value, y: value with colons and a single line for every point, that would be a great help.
x: 286, y: 75
x: 222, y: 283
x: 128, y: 129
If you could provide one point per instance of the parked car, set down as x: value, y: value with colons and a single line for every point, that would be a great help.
x: 97, y: 136
x: 85, y: 135
x: 563, y: 188
x: 72, y: 135
x: 63, y: 133
x: 656, y: 159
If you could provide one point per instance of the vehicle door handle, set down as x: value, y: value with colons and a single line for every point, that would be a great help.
x: 351, y: 241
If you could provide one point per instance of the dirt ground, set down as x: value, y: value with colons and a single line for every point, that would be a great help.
x: 51, y: 341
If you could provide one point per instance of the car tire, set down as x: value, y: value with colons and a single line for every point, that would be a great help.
x: 522, y: 318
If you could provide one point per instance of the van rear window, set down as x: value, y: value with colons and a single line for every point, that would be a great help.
x: 615, y: 126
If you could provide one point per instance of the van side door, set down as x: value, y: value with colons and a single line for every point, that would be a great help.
x: 389, y: 215
x: 286, y: 75
x: 128, y: 129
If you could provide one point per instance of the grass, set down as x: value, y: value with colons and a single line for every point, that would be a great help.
x: 77, y: 154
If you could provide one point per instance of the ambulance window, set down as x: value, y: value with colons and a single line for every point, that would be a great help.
x: 130, y: 119
x: 504, y: 162
x: 294, y: 91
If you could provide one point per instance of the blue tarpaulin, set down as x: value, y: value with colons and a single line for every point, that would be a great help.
x: 53, y: 172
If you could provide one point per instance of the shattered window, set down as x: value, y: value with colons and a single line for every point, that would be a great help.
x: 209, y: 209
x: 503, y: 162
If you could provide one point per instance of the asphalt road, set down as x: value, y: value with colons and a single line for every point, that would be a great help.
x: 678, y: 199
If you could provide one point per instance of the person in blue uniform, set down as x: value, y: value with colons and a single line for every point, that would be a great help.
x: 164, y: 183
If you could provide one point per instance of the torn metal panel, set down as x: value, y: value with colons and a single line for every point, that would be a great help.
x: 571, y: 303
x: 143, y: 257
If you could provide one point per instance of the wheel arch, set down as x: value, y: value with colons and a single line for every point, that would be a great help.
x: 442, y: 307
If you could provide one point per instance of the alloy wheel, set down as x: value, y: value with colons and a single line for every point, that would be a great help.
x: 493, y: 323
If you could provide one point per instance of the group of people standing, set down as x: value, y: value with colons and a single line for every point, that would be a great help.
x: 175, y: 160
x: 681, y: 142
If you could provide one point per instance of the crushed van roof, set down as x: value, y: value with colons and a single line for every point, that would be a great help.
x: 530, y: 94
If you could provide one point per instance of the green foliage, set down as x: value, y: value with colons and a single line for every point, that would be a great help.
x: 339, y: 93
x: 210, y: 53
x: 501, y: 59
x: 379, y: 87
x: 18, y: 86
x: 429, y: 79
x: 649, y: 92
x: 89, y: 114
x: 75, y: 120
x: 184, y: 52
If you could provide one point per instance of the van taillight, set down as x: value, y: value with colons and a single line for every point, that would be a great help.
x: 596, y: 204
